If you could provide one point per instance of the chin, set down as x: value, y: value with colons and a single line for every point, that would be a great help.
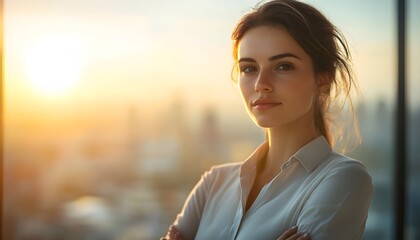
x: 271, y: 122
x: 266, y: 123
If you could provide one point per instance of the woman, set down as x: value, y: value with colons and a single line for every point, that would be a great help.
x: 291, y: 63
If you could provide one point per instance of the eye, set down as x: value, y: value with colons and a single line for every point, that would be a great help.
x: 247, y: 69
x: 285, y: 67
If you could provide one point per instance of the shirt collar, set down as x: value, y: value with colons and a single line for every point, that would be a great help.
x: 312, y: 153
x: 250, y: 164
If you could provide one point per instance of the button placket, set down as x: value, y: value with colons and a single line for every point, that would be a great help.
x: 236, y: 222
x: 274, y: 183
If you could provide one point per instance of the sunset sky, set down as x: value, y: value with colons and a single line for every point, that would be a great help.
x: 83, y: 55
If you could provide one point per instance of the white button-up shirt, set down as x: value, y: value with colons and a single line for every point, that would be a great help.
x: 318, y: 190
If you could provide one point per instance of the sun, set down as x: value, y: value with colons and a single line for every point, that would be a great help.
x: 54, y: 64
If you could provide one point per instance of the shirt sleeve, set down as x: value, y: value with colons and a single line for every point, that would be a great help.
x: 338, y: 207
x: 188, y: 219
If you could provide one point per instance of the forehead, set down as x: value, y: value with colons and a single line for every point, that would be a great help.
x: 266, y: 41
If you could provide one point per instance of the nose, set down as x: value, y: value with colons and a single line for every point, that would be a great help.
x: 263, y: 82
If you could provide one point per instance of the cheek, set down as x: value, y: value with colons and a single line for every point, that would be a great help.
x: 245, y: 89
x: 301, y: 94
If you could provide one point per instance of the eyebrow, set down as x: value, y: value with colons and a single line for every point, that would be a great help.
x: 275, y: 57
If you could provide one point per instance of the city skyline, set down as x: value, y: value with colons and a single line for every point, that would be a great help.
x: 82, y: 54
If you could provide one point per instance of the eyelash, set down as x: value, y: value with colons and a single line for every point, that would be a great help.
x: 288, y: 66
x: 245, y: 68
x: 285, y: 67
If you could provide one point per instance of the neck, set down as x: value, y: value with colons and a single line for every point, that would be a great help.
x: 287, y: 140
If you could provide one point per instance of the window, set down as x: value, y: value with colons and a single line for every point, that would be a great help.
x: 114, y: 109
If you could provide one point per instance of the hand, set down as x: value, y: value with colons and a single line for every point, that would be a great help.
x: 292, y: 234
x: 173, y: 234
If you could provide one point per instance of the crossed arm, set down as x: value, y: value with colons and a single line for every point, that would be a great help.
x: 290, y: 234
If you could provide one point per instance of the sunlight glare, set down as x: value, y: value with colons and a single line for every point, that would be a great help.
x: 54, y: 64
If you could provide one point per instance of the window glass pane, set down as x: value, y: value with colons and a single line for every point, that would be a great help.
x: 113, y: 110
x: 413, y: 128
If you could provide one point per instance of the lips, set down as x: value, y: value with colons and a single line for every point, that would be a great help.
x: 262, y: 104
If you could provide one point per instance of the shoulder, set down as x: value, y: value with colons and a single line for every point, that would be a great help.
x: 340, y: 177
x: 346, y: 168
x: 339, y: 162
x: 338, y: 204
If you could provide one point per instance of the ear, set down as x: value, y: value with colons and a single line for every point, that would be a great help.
x: 323, y: 81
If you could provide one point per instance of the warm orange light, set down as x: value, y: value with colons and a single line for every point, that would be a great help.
x: 54, y: 64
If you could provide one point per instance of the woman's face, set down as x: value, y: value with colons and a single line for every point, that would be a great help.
x: 276, y: 78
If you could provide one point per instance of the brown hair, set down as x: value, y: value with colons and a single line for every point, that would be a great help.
x: 321, y: 40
